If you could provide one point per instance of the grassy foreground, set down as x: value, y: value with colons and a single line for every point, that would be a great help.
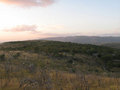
x: 38, y: 65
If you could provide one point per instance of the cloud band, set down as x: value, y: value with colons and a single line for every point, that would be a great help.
x: 28, y: 3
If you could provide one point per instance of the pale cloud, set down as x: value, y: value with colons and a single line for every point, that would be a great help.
x: 35, y: 29
x: 28, y: 3
x: 61, y: 34
x: 53, y: 28
x: 22, y: 28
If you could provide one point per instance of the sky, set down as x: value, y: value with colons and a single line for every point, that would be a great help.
x: 34, y: 19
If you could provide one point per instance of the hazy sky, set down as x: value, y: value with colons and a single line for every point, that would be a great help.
x: 32, y: 19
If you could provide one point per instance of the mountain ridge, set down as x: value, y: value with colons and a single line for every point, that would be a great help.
x: 96, y: 40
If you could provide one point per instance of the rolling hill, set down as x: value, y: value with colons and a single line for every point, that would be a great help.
x: 71, y: 53
x: 51, y: 65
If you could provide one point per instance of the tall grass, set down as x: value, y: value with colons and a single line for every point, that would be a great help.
x: 29, y: 71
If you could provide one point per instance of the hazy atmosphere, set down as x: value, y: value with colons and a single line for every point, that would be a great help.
x: 34, y: 19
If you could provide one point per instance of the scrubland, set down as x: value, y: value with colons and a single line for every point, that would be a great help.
x: 48, y: 65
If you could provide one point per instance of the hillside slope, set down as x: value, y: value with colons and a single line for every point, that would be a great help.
x: 51, y: 65
x: 112, y: 45
x: 73, y: 55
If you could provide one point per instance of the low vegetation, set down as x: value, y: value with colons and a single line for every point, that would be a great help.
x: 49, y: 65
x: 113, y: 45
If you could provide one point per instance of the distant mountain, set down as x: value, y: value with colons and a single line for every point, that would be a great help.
x: 87, y: 39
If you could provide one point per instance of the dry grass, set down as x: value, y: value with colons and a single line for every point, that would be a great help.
x: 19, y: 73
x: 53, y: 80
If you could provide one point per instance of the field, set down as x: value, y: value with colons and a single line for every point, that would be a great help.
x: 49, y: 65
